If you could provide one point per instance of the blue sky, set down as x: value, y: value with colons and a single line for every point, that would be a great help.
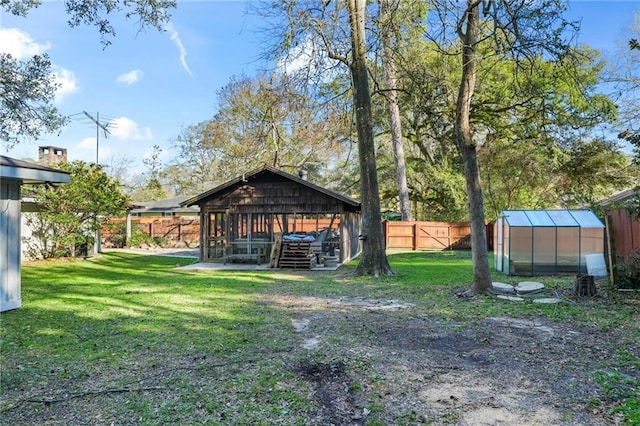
x: 149, y: 85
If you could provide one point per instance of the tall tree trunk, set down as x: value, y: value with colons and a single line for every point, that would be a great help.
x: 393, y: 110
x: 374, y: 258
x: 467, y: 148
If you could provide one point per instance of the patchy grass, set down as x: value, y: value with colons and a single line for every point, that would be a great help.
x: 126, y: 336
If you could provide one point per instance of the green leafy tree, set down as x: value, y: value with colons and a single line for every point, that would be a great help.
x: 27, y: 90
x: 507, y: 25
x: 71, y: 214
x: 97, y: 13
x: 595, y: 169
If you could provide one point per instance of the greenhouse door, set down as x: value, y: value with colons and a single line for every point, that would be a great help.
x: 217, y: 236
x: 497, y: 244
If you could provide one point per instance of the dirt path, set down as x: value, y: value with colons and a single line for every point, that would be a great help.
x: 499, y: 371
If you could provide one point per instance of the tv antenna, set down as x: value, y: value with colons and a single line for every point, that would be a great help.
x: 99, y: 126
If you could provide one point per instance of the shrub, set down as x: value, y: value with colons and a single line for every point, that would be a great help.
x: 139, y: 237
x: 160, y: 241
x: 627, y: 273
x: 118, y: 232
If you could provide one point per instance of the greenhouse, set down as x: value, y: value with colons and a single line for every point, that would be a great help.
x: 546, y: 242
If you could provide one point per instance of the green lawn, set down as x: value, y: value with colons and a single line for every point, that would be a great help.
x: 128, y: 339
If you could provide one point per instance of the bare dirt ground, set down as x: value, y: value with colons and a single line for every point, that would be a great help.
x: 498, y: 371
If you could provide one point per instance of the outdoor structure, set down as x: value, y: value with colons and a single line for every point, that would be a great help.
x: 546, y: 242
x: 242, y: 218
x: 13, y: 174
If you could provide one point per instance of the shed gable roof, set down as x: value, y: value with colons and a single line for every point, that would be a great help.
x: 266, y: 169
x: 11, y: 168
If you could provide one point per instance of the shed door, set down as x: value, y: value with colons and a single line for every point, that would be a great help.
x: 217, y: 235
x: 10, y: 245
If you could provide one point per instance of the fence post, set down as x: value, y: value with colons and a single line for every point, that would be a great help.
x: 416, y: 229
x: 385, y: 230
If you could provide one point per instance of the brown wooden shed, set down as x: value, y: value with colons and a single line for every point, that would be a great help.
x: 242, y: 218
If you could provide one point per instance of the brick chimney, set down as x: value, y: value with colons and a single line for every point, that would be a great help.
x: 51, y: 156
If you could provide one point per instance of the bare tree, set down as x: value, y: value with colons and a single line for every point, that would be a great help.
x: 389, y: 45
x: 374, y: 259
x: 467, y: 148
x: 325, y: 35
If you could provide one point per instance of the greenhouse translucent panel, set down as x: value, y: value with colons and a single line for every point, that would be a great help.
x: 568, y: 246
x: 587, y: 219
x: 521, y: 250
x: 539, y: 218
x: 591, y: 241
x: 544, y: 250
x: 562, y: 218
x: 516, y: 218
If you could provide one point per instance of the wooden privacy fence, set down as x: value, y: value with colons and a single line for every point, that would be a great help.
x: 624, y: 234
x: 307, y: 224
x: 431, y: 235
x: 181, y: 230
x: 398, y: 235
x: 185, y: 230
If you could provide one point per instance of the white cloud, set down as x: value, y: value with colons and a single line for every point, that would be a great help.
x: 87, y: 143
x: 297, y: 58
x: 20, y: 44
x: 66, y: 81
x: 86, y: 150
x: 311, y: 60
x: 126, y: 128
x: 130, y: 77
x: 175, y: 37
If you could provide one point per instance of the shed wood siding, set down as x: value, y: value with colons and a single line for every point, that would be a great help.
x: 351, y: 227
x: 272, y: 196
x: 10, y: 245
